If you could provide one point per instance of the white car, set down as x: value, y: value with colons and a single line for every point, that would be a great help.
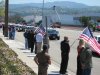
x: 97, y: 38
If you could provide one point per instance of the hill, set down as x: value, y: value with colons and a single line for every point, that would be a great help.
x: 62, y: 4
x: 62, y: 7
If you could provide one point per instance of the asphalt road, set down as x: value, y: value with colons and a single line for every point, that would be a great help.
x: 54, y: 50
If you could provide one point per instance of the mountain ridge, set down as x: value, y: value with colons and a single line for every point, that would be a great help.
x: 62, y: 7
x: 62, y: 4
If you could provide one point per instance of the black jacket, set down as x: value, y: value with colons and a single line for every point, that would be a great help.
x: 65, y: 48
x: 26, y: 35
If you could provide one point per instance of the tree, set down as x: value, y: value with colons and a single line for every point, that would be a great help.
x: 16, y: 19
x: 85, y: 20
x: 2, y: 10
x: 38, y: 23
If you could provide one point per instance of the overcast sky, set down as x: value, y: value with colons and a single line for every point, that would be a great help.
x: 87, y: 2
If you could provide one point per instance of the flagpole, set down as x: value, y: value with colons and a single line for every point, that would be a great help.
x: 90, y: 31
x: 44, y: 22
x: 73, y: 43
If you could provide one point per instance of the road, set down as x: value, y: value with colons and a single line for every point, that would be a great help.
x: 54, y: 50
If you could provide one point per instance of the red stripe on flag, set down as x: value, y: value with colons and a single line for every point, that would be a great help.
x: 92, y: 42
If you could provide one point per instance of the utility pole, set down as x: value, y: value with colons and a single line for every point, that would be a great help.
x: 46, y: 39
x: 43, y: 9
x: 44, y: 23
x: 43, y: 17
x: 6, y: 18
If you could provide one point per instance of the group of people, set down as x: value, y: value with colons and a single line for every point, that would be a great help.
x: 11, y: 32
x: 84, y: 57
x: 33, y: 41
x: 42, y: 58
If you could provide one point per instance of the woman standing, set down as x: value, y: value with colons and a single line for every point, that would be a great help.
x: 80, y: 47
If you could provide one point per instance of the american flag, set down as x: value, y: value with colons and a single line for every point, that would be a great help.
x: 41, y: 30
x: 87, y: 36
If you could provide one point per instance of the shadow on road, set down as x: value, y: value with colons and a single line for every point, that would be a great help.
x: 54, y: 73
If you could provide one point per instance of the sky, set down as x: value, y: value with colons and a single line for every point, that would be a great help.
x: 87, y: 2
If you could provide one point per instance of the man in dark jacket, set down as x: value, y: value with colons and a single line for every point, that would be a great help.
x: 65, y: 49
x: 31, y: 40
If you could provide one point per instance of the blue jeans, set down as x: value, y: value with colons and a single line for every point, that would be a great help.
x: 10, y: 35
x: 86, y: 71
x: 26, y: 43
x: 13, y: 35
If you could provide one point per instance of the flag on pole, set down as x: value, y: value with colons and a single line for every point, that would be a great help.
x: 87, y: 36
x: 41, y: 30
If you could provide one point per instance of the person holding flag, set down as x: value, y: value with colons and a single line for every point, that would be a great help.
x: 87, y: 36
x: 91, y: 44
x: 86, y: 60
x: 40, y: 32
x: 80, y: 47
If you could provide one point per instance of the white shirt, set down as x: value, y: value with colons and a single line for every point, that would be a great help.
x: 39, y: 37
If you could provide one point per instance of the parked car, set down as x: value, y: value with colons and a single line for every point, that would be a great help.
x: 95, y: 54
x: 98, y: 27
x: 97, y: 38
x: 29, y: 27
x: 53, y: 34
x: 20, y: 28
x: 56, y: 25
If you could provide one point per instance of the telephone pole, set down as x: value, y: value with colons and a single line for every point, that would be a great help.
x: 6, y: 18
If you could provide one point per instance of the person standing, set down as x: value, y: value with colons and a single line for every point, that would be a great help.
x: 31, y: 36
x: 80, y: 47
x: 35, y: 45
x: 39, y: 40
x: 10, y: 32
x: 65, y: 49
x: 42, y: 59
x: 26, y: 40
x: 13, y: 32
x: 86, y: 60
